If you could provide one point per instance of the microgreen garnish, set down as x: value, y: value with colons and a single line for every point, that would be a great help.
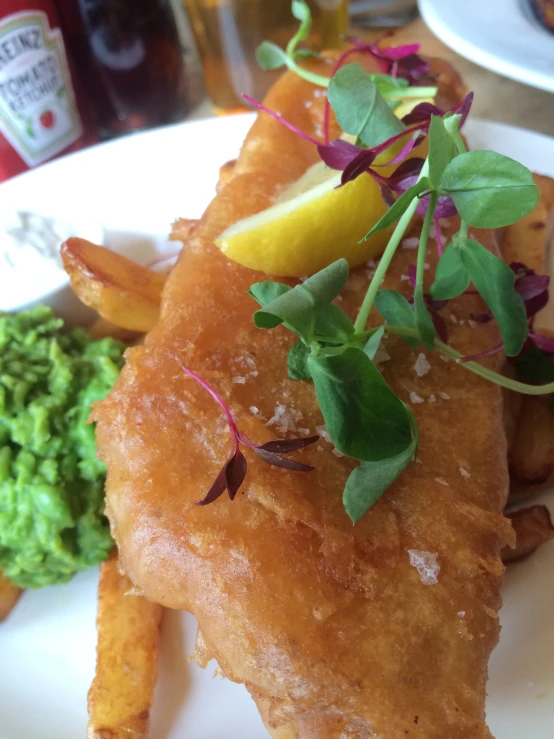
x: 365, y: 419
x: 233, y: 472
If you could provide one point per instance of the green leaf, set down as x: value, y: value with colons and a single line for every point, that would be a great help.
x: 300, y: 307
x: 359, y: 107
x: 372, y: 344
x: 333, y: 322
x: 442, y: 149
x: 370, y: 480
x: 451, y: 277
x: 364, y: 417
x: 270, y: 56
x: 396, y: 311
x: 297, y: 361
x: 301, y: 12
x: 267, y: 291
x: 425, y: 325
x: 494, y: 281
x: 399, y: 207
x: 488, y: 189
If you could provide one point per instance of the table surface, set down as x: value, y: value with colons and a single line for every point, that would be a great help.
x: 496, y: 98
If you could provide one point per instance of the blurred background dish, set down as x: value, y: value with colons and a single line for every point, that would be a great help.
x: 502, y: 35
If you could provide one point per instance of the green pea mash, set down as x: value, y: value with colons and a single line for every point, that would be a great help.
x: 51, y: 483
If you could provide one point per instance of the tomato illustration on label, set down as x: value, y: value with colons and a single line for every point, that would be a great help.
x: 47, y: 119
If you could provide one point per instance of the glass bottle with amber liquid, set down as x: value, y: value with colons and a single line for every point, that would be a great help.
x: 129, y: 59
x: 227, y: 33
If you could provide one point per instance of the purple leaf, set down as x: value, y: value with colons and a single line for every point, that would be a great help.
x: 463, y: 108
x: 358, y: 166
x: 445, y: 206
x: 218, y: 488
x: 481, y: 317
x: 397, y: 52
x: 277, y: 461
x: 338, y: 154
x: 286, y: 446
x: 421, y: 114
x: 412, y: 275
x: 235, y: 472
x: 542, y: 342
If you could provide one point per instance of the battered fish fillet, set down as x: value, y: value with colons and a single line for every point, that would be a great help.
x: 332, y: 630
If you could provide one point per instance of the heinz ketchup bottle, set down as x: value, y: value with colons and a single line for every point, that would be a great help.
x: 39, y: 117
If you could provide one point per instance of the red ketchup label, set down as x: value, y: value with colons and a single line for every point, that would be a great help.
x: 38, y: 111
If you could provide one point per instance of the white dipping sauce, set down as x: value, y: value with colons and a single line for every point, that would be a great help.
x: 30, y: 262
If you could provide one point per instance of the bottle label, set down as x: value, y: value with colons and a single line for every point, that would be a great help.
x: 38, y: 112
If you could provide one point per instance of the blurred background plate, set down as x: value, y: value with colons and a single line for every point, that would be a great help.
x: 502, y: 35
x: 136, y: 187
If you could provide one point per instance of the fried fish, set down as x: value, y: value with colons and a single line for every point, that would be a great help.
x: 379, y: 630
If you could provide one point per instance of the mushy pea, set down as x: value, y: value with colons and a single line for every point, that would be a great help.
x: 51, y: 483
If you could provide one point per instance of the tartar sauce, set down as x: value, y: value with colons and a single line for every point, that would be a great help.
x: 30, y: 263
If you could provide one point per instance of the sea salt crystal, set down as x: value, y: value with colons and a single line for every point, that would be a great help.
x: 431, y: 399
x: 304, y: 278
x: 355, y: 283
x: 254, y: 373
x: 410, y: 243
x: 426, y: 266
x: 404, y: 278
x: 461, y: 613
x: 421, y: 366
x: 249, y: 361
x: 444, y: 396
x: 415, y: 398
x: 464, y: 472
x: 444, y: 359
x: 453, y: 318
x: 322, y: 431
x: 238, y: 380
x: 471, y: 322
x: 284, y: 418
x: 253, y: 409
x: 426, y: 564
x: 304, y: 432
x: 442, y: 481
x: 371, y: 263
x: 319, y: 448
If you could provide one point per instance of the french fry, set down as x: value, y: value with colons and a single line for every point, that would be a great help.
x: 123, y: 292
x: 531, y: 459
x: 530, y: 430
x: 9, y: 595
x: 533, y: 527
x: 121, y: 693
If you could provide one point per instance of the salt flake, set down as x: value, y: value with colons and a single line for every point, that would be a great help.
x: 444, y: 396
x: 426, y: 564
x: 410, y: 243
x: 442, y: 481
x: 431, y: 399
x: 415, y: 398
x: 464, y: 472
x: 422, y: 366
x: 238, y: 380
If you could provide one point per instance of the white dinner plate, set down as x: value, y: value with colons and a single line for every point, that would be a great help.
x: 136, y: 187
x: 502, y: 35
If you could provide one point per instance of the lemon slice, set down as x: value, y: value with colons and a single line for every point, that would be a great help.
x: 314, y: 222
x: 311, y: 225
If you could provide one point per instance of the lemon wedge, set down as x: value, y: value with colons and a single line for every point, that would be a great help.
x: 311, y: 225
x: 314, y: 222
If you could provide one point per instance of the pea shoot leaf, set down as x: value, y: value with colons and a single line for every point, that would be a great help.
x: 364, y: 417
x: 267, y: 291
x: 488, y: 189
x: 399, y: 207
x: 360, y: 108
x: 298, y: 308
x: 442, y: 149
x: 372, y: 344
x: 333, y: 322
x: 396, y: 311
x: 271, y: 56
x: 367, y: 483
x: 494, y: 281
x: 424, y: 322
x: 297, y: 361
x: 301, y: 12
x: 451, y: 277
